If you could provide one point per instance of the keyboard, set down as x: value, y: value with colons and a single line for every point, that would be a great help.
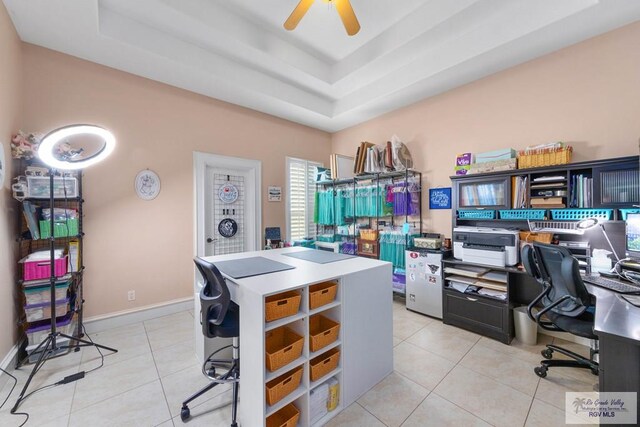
x: 613, y: 285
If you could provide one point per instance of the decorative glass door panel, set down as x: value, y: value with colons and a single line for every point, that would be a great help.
x: 484, y: 193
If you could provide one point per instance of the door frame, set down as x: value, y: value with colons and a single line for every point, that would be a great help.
x: 253, y: 217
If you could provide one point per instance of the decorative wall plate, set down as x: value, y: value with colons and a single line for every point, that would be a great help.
x: 228, y: 193
x: 147, y: 184
x: 228, y: 227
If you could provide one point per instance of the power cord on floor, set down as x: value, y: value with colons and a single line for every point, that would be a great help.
x: 15, y: 383
x: 84, y: 331
x: 66, y: 380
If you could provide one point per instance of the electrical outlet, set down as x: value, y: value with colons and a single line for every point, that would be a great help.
x: 131, y: 295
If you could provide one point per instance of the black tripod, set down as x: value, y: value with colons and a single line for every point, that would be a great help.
x: 50, y: 347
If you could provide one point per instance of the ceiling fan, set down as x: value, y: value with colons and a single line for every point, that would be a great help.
x: 343, y: 7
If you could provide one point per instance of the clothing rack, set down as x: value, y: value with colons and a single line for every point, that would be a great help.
x: 376, y: 201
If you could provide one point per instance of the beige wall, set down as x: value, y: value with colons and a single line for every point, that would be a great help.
x: 587, y: 94
x: 130, y: 243
x: 10, y: 100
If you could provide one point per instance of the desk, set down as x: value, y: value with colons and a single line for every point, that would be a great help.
x: 363, y: 308
x: 617, y: 324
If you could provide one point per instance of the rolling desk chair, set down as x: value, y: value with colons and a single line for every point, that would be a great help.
x: 564, y: 301
x: 220, y: 317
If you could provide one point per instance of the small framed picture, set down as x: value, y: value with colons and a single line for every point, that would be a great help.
x: 440, y: 198
x: 275, y: 194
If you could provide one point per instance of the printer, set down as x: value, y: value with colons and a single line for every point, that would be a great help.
x: 489, y: 246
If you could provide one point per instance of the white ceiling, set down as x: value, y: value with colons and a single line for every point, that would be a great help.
x: 237, y: 50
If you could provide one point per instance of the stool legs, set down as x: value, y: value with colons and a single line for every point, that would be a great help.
x: 232, y: 376
x: 236, y: 383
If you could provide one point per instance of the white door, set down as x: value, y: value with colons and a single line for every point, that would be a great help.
x: 228, y: 220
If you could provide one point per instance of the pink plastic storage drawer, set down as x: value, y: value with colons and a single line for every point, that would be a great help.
x: 34, y: 270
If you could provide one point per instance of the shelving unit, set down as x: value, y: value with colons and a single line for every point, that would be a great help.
x: 300, y: 324
x: 371, y: 179
x: 602, y: 187
x: 482, y: 314
x: 613, y: 184
x: 377, y: 222
x: 27, y: 245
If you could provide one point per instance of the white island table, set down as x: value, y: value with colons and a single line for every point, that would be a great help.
x: 363, y: 307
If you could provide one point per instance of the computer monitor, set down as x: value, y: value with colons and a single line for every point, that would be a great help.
x: 633, y: 236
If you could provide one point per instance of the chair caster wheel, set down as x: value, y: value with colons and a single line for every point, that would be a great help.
x: 540, y: 371
x: 185, y: 413
x: 547, y: 353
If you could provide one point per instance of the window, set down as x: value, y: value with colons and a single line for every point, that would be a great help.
x: 301, y: 189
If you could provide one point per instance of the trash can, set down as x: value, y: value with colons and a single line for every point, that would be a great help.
x: 526, y: 329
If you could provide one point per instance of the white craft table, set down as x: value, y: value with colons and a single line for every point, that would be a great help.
x: 363, y: 307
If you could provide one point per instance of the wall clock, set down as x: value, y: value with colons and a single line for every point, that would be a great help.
x: 147, y: 184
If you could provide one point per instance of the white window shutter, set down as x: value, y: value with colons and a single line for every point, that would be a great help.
x: 300, y: 198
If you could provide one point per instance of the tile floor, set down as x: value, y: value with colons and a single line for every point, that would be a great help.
x: 444, y: 376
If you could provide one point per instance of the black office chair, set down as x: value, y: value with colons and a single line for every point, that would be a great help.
x: 564, y: 301
x: 219, y: 317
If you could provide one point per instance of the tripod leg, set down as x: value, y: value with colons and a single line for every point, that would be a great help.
x: 88, y: 343
x: 43, y: 358
x: 234, y: 407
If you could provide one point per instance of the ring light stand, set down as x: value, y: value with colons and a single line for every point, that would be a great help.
x: 71, y: 159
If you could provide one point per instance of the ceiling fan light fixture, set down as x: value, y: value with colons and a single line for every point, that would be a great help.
x: 344, y: 8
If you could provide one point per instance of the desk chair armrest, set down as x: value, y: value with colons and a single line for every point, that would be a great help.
x: 545, y: 290
x: 549, y: 325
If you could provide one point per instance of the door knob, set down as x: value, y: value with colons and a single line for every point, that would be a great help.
x: 210, y: 240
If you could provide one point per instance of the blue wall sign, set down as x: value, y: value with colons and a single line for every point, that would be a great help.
x: 440, y: 198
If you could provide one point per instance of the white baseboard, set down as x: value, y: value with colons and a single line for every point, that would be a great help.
x: 128, y: 317
x: 9, y: 362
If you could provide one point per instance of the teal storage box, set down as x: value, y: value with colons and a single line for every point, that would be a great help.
x: 493, y: 156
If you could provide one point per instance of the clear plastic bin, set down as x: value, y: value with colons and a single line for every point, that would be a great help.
x: 39, y: 331
x: 40, y: 311
x: 40, y: 294
x: 38, y: 187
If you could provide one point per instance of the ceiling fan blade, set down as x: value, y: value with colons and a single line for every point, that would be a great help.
x: 297, y: 14
x: 348, y: 16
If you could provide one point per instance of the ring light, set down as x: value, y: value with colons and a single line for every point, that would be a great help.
x: 50, y: 149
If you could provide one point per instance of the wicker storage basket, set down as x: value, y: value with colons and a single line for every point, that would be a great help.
x: 325, y: 363
x: 322, y: 294
x: 283, y: 346
x: 279, y: 388
x: 285, y: 417
x: 322, y: 331
x: 544, y: 157
x: 530, y: 237
x: 368, y: 234
x: 282, y: 305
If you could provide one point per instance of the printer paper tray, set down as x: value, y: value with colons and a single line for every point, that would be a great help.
x: 478, y: 256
